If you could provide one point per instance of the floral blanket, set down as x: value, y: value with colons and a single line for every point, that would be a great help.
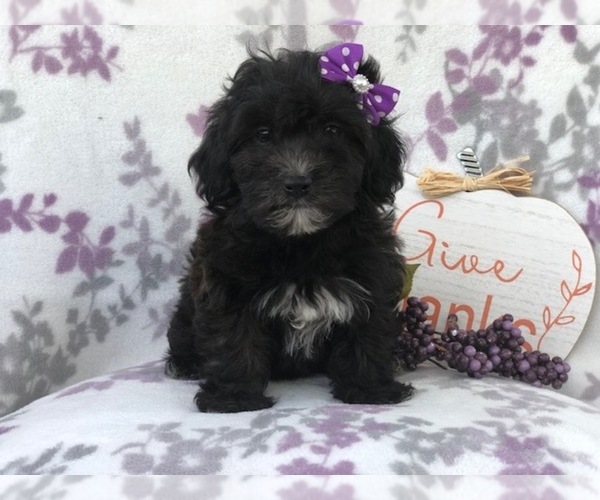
x: 137, y: 421
x: 97, y: 211
x: 297, y: 488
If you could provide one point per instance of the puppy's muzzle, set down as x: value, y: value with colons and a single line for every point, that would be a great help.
x: 297, y: 186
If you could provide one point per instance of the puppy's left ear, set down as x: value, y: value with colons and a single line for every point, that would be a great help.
x: 386, y: 155
x: 210, y: 163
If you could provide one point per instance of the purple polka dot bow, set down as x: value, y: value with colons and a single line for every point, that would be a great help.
x: 340, y: 64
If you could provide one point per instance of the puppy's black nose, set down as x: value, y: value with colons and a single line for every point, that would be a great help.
x: 297, y: 185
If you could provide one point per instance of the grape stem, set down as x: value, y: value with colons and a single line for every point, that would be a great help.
x: 440, y: 365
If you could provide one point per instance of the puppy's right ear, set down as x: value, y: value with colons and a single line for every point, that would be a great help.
x: 209, y: 165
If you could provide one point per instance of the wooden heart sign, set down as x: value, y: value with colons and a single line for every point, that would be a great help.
x: 486, y: 253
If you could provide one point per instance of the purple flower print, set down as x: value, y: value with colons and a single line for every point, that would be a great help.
x: 147, y: 373
x: 80, y: 12
x: 151, y: 372
x: 304, y: 467
x: 346, y: 30
x: 101, y: 385
x: 81, y: 252
x: 496, y: 12
x: 591, y: 226
x: 569, y: 8
x: 520, y: 455
x: 514, y: 12
x: 292, y: 439
x: 346, y: 8
x: 349, y: 22
x: 89, y: 14
x: 569, y: 33
x: 508, y: 43
x: 20, y: 9
x: 590, y: 181
x: 483, y: 87
x: 85, y: 53
x: 198, y: 121
x: 301, y: 490
x: 191, y: 457
x: 5, y: 429
x: 440, y: 124
x: 346, y: 26
x: 81, y: 50
x: 23, y: 217
x: 337, y: 429
x: 337, y: 432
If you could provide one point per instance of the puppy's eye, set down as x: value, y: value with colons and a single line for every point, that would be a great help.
x: 263, y: 134
x: 332, y: 129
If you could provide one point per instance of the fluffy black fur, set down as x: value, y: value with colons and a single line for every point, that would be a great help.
x: 296, y: 271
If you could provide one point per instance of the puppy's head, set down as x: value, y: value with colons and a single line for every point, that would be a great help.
x: 292, y: 151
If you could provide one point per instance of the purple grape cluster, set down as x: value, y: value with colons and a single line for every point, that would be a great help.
x: 459, y: 351
x: 496, y: 349
x: 416, y: 341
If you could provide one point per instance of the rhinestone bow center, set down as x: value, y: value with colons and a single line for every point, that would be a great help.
x: 361, y: 84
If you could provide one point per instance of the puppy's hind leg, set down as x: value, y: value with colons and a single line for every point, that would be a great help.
x: 181, y: 360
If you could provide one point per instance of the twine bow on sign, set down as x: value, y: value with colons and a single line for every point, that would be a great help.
x: 506, y: 176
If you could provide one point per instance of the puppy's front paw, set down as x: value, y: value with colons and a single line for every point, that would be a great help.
x: 388, y: 393
x: 225, y: 402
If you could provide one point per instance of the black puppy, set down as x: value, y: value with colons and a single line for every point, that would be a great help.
x: 296, y: 271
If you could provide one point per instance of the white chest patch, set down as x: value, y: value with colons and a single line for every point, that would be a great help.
x: 310, y: 316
